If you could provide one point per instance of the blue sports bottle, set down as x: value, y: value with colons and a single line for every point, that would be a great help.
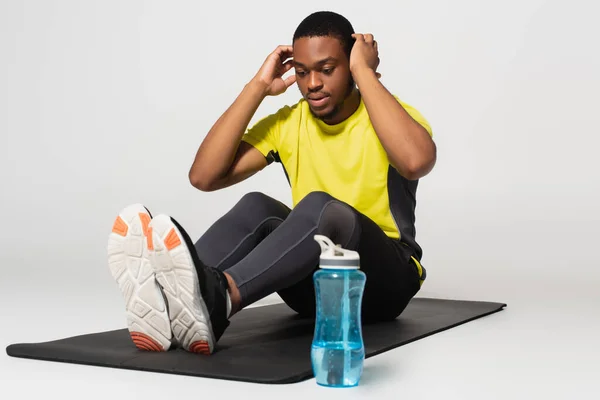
x: 338, y: 353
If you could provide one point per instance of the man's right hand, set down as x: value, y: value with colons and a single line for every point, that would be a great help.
x: 222, y: 158
x: 272, y: 70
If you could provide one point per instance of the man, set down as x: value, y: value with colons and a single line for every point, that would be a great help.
x: 352, y: 153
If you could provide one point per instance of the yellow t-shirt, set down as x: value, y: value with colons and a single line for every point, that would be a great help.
x: 345, y: 160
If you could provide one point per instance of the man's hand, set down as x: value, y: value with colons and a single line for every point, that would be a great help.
x: 272, y: 70
x: 364, y: 53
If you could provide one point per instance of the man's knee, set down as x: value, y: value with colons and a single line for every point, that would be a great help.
x: 255, y: 198
x: 332, y: 216
x: 259, y: 204
x: 316, y: 201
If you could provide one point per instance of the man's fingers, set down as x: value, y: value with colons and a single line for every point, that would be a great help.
x: 284, y: 51
x: 284, y: 48
x: 289, y: 81
x: 367, y: 38
x: 287, y: 66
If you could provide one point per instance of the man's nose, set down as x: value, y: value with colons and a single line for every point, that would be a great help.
x: 314, y: 82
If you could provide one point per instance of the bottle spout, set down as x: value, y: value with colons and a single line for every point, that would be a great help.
x: 333, y: 255
x: 327, y: 246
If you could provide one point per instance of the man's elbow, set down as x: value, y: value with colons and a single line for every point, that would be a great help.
x: 201, y: 182
x: 418, y: 167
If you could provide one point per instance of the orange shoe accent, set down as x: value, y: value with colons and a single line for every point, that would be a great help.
x: 145, y: 218
x: 145, y: 342
x: 200, y: 347
x: 172, y: 240
x: 120, y: 227
x: 149, y: 237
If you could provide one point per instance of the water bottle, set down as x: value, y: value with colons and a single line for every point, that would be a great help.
x: 337, y: 352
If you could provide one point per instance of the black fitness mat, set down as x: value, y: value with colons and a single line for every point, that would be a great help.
x: 268, y: 344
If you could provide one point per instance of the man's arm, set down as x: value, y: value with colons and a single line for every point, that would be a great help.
x: 409, y: 146
x: 222, y: 158
x: 247, y: 162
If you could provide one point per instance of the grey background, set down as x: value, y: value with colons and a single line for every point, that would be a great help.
x: 104, y: 103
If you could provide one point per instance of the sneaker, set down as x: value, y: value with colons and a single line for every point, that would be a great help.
x: 197, y: 297
x: 145, y: 306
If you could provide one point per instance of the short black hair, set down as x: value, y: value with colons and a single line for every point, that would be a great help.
x: 327, y: 23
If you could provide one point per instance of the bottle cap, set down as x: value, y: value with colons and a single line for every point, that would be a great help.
x: 334, y: 256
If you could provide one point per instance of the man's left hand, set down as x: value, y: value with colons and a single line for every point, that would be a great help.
x: 364, y: 53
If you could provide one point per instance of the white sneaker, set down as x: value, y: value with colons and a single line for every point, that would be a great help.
x: 196, y: 295
x: 145, y: 306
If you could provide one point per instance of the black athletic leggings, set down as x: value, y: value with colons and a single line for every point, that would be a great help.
x: 268, y: 248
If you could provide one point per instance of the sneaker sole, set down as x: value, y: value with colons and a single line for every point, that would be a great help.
x: 146, y: 310
x: 176, y: 273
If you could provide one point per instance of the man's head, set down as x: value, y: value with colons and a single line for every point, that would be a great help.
x: 322, y: 44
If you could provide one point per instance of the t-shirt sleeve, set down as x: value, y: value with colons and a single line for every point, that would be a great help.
x: 264, y: 134
x: 416, y: 115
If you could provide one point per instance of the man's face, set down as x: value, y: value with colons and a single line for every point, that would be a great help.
x: 322, y: 74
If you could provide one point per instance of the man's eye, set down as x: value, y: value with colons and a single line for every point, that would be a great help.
x: 327, y: 71
x: 300, y: 73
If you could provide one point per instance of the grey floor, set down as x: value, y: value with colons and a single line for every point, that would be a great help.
x: 543, y: 345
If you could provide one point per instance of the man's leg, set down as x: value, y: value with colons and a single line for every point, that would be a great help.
x: 240, y: 230
x: 237, y: 232
x: 196, y: 289
x: 198, y: 294
x: 284, y: 262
